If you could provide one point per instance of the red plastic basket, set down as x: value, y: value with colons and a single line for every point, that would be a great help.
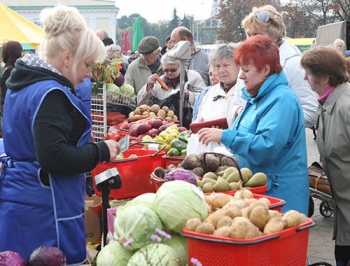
x: 285, y: 248
x: 255, y: 190
x: 175, y: 160
x: 134, y: 173
x: 157, y: 181
x: 275, y: 203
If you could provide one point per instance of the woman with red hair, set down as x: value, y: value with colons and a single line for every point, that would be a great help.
x: 269, y: 134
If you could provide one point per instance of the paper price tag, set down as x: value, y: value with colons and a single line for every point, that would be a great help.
x: 124, y: 144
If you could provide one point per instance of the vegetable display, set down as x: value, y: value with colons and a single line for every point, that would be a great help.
x: 45, y: 255
x: 154, y: 254
x: 178, y: 201
x: 114, y: 254
x: 134, y: 224
x: 11, y: 258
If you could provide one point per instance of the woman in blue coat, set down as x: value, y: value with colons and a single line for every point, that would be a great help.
x: 269, y: 135
x: 47, y: 133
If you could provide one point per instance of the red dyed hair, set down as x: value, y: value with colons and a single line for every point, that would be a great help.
x: 259, y: 50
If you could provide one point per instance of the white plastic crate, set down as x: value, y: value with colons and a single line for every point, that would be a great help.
x: 99, y: 114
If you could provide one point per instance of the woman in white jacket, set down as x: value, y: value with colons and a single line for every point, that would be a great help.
x: 171, y: 67
x: 265, y: 20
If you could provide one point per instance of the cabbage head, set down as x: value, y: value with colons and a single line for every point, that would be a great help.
x: 179, y: 244
x: 146, y: 199
x: 114, y: 254
x: 127, y: 90
x: 154, y: 254
x: 134, y: 226
x: 178, y: 201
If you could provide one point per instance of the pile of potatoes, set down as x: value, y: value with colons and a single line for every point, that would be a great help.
x: 154, y: 111
x: 250, y: 220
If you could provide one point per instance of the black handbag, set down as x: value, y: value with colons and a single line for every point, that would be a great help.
x: 173, y: 103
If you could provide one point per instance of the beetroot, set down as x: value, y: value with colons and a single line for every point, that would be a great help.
x: 11, y: 258
x: 43, y: 256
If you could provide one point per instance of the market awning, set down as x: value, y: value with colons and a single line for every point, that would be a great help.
x: 17, y: 28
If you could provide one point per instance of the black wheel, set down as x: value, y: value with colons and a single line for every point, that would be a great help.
x: 311, y: 207
x: 326, y: 209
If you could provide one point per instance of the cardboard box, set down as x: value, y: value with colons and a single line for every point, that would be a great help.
x: 93, y: 219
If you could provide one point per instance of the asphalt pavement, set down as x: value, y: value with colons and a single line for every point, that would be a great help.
x: 321, y: 245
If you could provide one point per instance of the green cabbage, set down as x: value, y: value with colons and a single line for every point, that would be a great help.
x: 127, y: 90
x: 112, y: 88
x: 178, y: 201
x: 179, y: 244
x: 134, y: 226
x: 154, y: 254
x: 114, y: 254
x: 146, y: 199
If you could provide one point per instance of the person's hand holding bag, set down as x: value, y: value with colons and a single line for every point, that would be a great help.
x: 207, y: 135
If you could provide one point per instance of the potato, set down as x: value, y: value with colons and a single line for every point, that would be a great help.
x: 259, y: 216
x: 275, y: 224
x: 192, y: 224
x: 232, y: 211
x: 255, y: 204
x: 224, y: 231
x: 214, y: 217
x: 168, y: 119
x: 274, y: 213
x: 205, y: 228
x: 145, y: 113
x: 291, y: 218
x: 137, y: 111
x: 243, y: 228
x: 144, y: 107
x: 165, y: 108
x: 170, y: 113
x: 303, y: 218
x: 224, y: 221
x: 161, y: 113
x: 154, y: 108
x: 265, y: 200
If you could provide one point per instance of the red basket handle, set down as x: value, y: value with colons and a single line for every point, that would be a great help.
x: 150, y: 142
x: 233, y: 159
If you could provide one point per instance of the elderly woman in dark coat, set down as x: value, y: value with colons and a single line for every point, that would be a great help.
x: 325, y: 69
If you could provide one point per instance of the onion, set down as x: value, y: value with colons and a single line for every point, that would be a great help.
x: 11, y: 258
x: 43, y: 256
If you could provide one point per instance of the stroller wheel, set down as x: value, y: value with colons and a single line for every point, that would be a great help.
x: 311, y: 207
x: 326, y: 209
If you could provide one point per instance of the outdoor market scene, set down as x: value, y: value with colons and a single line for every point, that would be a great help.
x: 214, y: 133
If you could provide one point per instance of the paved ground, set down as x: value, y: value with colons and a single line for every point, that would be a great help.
x: 321, y: 246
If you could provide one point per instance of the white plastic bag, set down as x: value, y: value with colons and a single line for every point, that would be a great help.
x: 196, y: 147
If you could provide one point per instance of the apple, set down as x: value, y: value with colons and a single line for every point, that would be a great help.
x: 133, y: 132
x: 153, y: 132
x: 125, y: 126
x: 143, y: 127
x: 156, y: 123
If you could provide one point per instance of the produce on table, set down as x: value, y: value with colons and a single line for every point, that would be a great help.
x: 146, y: 199
x: 155, y: 254
x: 179, y: 244
x: 46, y: 255
x: 114, y: 254
x: 181, y: 174
x: 178, y: 201
x: 230, y: 218
x: 134, y: 224
x: 11, y: 258
x: 153, y: 111
x: 230, y: 179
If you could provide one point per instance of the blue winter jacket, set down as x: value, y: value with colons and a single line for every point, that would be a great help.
x: 269, y: 136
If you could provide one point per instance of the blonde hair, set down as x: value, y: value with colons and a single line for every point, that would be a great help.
x: 274, y: 26
x: 66, y: 30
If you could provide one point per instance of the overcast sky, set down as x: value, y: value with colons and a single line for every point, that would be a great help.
x: 155, y: 10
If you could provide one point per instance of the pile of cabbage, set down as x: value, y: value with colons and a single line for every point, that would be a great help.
x: 147, y: 229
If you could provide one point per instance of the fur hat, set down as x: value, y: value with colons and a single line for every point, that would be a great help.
x: 148, y: 45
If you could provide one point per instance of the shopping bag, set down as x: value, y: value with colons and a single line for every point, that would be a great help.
x: 318, y: 179
x: 194, y: 146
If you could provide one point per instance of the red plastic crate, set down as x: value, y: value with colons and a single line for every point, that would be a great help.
x: 285, y: 248
x: 134, y: 172
x: 275, y: 203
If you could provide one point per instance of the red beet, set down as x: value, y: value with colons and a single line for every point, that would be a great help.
x: 11, y: 258
x: 43, y: 256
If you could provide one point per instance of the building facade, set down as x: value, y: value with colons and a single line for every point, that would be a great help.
x: 98, y: 14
